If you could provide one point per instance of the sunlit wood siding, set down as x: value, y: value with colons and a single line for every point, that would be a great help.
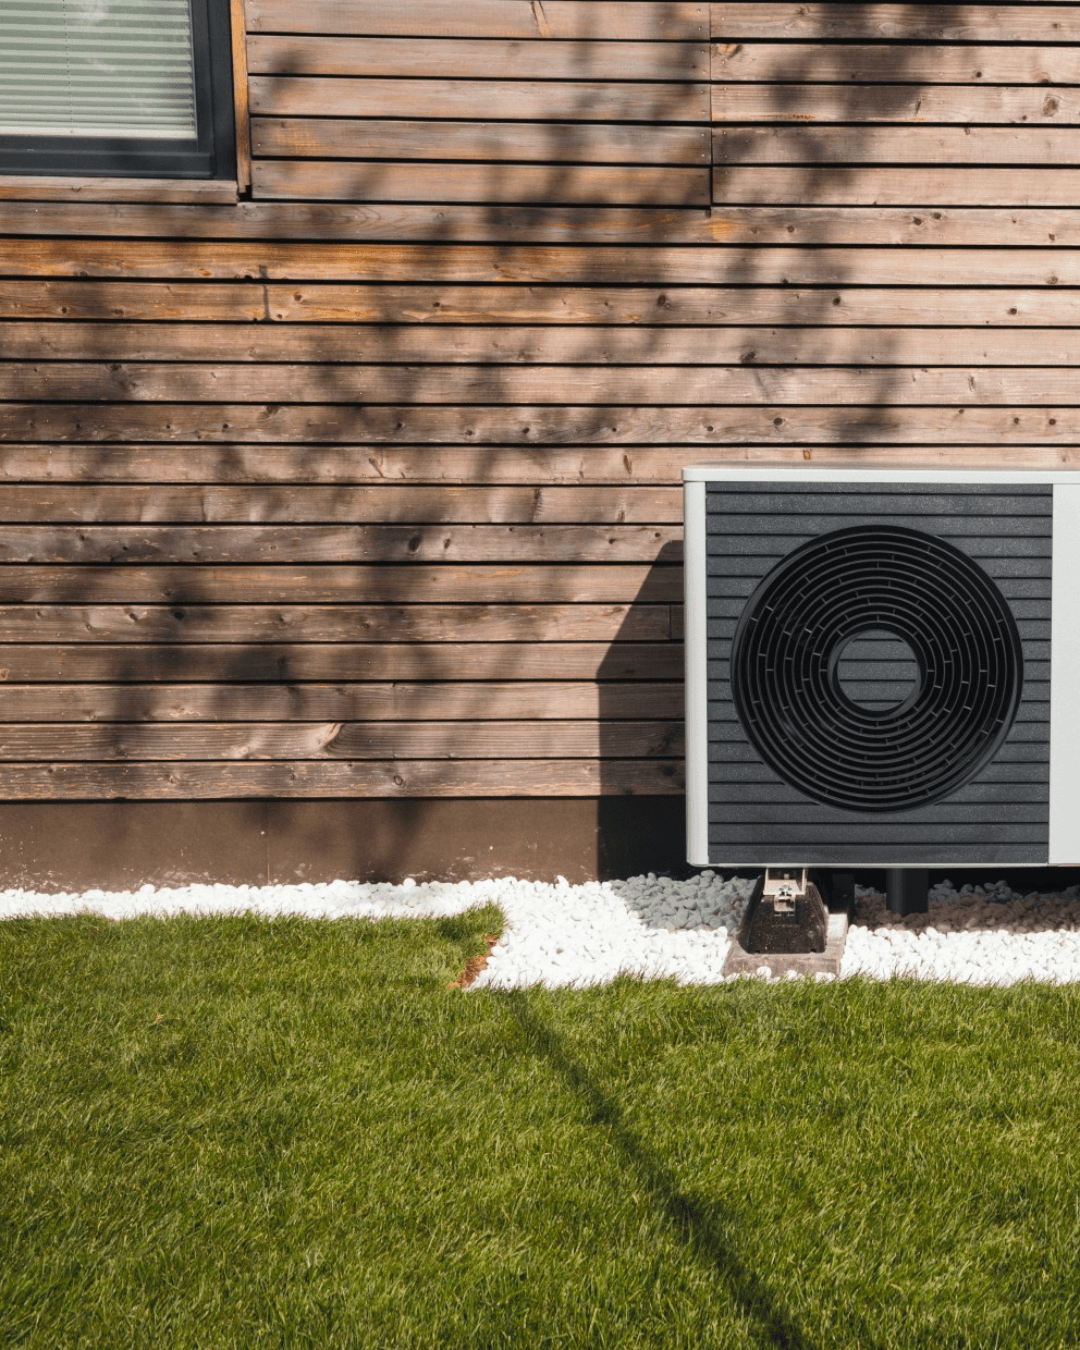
x: 368, y: 486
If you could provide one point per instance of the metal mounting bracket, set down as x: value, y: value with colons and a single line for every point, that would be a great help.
x: 785, y: 887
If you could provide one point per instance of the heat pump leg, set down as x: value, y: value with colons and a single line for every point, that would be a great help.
x: 907, y: 890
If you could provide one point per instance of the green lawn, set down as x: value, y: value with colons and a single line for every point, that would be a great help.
x: 240, y: 1133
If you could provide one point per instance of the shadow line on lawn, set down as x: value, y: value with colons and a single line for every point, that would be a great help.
x: 691, y: 1220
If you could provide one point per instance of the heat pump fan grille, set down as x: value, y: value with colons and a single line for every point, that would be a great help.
x: 851, y: 592
x: 867, y: 642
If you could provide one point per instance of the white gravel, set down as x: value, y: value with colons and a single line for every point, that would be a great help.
x: 992, y: 936
x: 558, y: 934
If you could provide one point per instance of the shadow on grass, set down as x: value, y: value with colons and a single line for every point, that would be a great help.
x: 691, y: 1219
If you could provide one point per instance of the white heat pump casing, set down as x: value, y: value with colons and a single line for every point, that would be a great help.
x: 706, y: 844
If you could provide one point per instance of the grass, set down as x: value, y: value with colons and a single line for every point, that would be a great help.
x: 238, y: 1133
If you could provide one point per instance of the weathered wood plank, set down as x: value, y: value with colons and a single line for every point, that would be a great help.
x: 474, y: 59
x: 604, y: 264
x: 335, y: 740
x: 802, y: 22
x: 274, y: 662
x: 216, y: 621
x: 112, y: 300
x: 551, y: 142
x: 388, y: 465
x: 642, y: 386
x: 585, y: 96
x: 378, y: 181
x: 888, y: 63
x: 279, y: 221
x: 846, y: 304
x: 539, y: 424
x: 43, y: 188
x: 382, y: 504
x: 915, y: 103
x: 478, y: 583
x: 277, y: 544
x: 565, y: 19
x: 382, y: 465
x: 1031, y: 148
x: 863, y: 225
x: 876, y: 186
x: 353, y: 702
x: 306, y: 779
x: 521, y: 345
x: 482, y: 305
x: 330, y: 221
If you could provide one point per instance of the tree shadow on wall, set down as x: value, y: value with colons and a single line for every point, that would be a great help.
x: 377, y: 390
x: 641, y: 814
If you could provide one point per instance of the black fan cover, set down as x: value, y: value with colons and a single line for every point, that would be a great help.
x: 934, y: 605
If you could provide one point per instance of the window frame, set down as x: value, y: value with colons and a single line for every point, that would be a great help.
x: 211, y: 156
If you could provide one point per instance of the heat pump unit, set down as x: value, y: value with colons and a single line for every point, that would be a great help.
x: 883, y: 667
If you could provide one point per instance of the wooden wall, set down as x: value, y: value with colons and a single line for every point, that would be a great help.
x: 368, y: 486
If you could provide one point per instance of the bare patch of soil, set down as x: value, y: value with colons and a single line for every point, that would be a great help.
x: 474, y: 965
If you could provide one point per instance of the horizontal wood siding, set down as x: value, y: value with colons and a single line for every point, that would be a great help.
x: 354, y: 102
x: 369, y: 485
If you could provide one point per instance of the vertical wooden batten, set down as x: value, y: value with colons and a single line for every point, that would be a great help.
x: 241, y: 112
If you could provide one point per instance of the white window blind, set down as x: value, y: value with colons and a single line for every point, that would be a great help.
x: 96, y: 68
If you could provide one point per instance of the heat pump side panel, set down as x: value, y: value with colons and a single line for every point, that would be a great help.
x: 696, y: 653
x: 1065, y: 681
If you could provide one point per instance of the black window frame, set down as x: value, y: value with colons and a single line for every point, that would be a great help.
x: 211, y: 154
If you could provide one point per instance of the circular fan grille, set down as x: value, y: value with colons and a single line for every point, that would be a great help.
x: 853, y: 593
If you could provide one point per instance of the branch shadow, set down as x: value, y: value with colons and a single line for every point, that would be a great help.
x: 455, y: 419
x: 694, y: 1222
x: 642, y: 812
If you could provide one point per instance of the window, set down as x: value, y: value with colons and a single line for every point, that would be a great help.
x: 126, y: 88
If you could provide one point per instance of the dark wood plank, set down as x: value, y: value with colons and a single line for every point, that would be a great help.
x: 540, y: 424
x: 378, y: 181
x: 313, y: 779
x: 433, y: 58
x: 215, y: 621
x: 279, y: 544
x: 565, y: 19
x: 535, y: 700
x: 873, y: 185
x: 489, y: 142
x: 383, y: 504
x: 640, y: 386
x: 586, y: 96
x: 814, y: 22
x: 212, y: 663
x: 335, y: 740
x: 1031, y: 148
x: 742, y: 344
x: 888, y: 63
x: 200, y: 261
x: 916, y: 103
x: 478, y: 583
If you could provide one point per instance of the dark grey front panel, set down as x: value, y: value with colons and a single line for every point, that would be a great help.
x: 1000, y: 814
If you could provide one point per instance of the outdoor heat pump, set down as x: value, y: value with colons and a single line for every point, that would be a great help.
x: 883, y: 667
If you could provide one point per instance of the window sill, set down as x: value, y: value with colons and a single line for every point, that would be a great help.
x: 27, y: 188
